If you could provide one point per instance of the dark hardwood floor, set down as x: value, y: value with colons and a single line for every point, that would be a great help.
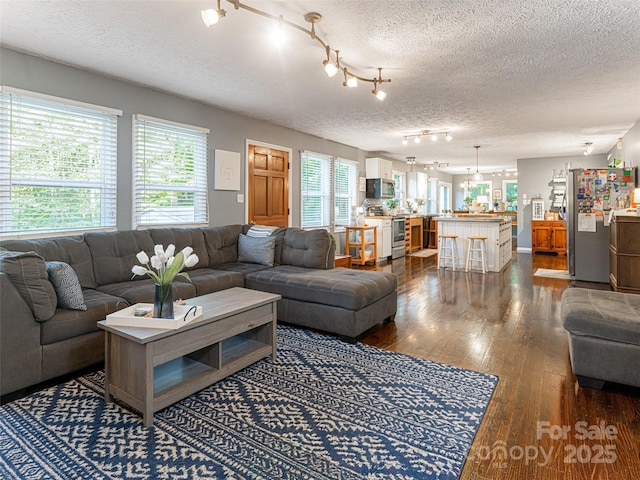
x: 508, y: 324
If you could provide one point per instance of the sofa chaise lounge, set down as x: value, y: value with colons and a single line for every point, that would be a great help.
x: 40, y: 340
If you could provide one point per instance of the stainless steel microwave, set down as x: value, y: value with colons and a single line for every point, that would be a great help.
x: 380, y: 188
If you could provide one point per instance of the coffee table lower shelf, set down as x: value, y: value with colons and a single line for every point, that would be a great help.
x: 177, y: 363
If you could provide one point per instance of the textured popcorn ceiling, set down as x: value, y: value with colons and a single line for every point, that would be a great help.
x: 521, y: 78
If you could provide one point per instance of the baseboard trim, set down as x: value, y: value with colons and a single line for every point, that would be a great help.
x: 523, y: 249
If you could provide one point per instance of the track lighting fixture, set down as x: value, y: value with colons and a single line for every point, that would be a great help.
x: 588, y: 148
x: 434, y: 136
x: 477, y: 177
x: 411, y: 160
x: 435, y: 165
x: 331, y: 64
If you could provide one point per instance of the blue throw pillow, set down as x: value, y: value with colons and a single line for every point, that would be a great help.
x: 67, y: 286
x: 260, y: 250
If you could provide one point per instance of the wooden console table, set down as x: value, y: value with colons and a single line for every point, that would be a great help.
x: 150, y: 368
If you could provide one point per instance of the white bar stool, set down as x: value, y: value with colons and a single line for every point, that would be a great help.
x: 477, y: 247
x: 448, y: 251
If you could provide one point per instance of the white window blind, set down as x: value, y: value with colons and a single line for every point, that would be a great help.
x: 329, y: 190
x: 316, y: 190
x: 170, y: 177
x: 345, y: 184
x: 57, y: 165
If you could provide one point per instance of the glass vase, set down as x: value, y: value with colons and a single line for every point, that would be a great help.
x: 163, y: 302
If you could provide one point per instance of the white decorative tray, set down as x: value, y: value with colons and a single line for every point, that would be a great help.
x: 125, y: 318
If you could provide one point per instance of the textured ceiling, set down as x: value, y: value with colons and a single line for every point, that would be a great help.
x: 521, y: 78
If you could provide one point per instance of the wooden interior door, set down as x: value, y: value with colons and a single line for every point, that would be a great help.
x: 268, y: 186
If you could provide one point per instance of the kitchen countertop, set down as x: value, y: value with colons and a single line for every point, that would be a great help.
x: 473, y: 219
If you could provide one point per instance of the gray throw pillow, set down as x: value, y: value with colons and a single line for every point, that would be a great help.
x: 67, y: 286
x: 28, y: 273
x: 258, y: 250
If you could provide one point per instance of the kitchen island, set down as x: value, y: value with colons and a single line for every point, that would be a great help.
x: 496, y: 228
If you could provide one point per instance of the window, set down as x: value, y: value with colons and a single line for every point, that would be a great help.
x: 432, y: 195
x: 57, y: 164
x: 444, y: 196
x: 170, y: 173
x: 345, y: 190
x: 328, y: 181
x: 481, y: 192
x: 511, y: 194
x: 399, y: 179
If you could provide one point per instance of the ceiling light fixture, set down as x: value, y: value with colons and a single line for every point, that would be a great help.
x: 466, y: 185
x: 434, y: 136
x: 477, y: 177
x: 411, y: 160
x: 435, y: 165
x: 331, y: 64
x: 588, y: 148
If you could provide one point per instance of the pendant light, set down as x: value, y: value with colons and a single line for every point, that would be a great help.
x: 477, y: 177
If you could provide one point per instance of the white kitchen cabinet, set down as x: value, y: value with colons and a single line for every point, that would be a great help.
x: 417, y: 185
x: 384, y: 234
x: 379, y: 168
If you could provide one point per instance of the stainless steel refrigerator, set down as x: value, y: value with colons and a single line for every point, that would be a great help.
x: 591, y: 193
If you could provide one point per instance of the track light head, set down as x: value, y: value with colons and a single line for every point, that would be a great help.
x: 329, y: 68
x: 211, y: 16
x: 380, y: 94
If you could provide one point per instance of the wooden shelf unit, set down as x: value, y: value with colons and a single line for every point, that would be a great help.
x: 429, y: 232
x: 362, y: 244
x: 415, y: 236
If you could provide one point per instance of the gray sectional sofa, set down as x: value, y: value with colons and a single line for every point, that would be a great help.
x: 40, y: 340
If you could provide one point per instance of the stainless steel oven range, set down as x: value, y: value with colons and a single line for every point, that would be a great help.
x: 397, y: 249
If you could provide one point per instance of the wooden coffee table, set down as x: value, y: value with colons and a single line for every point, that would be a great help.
x: 150, y: 369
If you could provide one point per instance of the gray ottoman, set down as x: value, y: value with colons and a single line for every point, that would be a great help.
x: 341, y: 300
x: 604, y: 336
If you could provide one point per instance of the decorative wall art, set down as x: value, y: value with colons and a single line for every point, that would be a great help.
x: 226, y: 174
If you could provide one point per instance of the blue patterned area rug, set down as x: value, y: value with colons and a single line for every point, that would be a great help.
x: 324, y: 410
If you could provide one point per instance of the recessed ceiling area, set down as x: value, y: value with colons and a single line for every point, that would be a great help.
x: 521, y: 79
